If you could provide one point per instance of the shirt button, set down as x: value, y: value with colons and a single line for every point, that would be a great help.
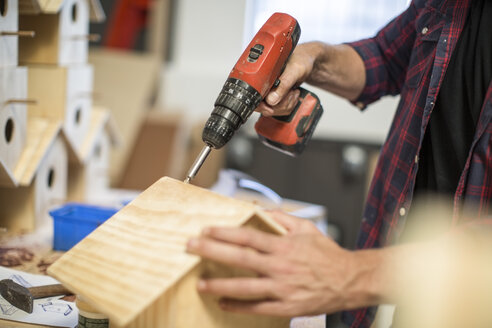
x: 359, y: 105
x: 425, y: 30
x: 403, y: 211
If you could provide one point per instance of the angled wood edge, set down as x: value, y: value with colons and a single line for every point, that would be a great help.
x: 51, y: 6
x: 33, y: 7
x: 29, y: 7
x: 97, y: 14
x: 110, y: 126
x: 7, y: 179
x: 100, y: 120
x: 41, y: 133
x: 271, y: 223
x: 74, y: 154
x: 132, y: 259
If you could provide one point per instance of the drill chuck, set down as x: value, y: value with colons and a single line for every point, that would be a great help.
x: 234, y: 105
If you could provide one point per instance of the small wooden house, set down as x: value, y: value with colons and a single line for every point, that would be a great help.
x: 62, y: 30
x: 41, y: 175
x: 88, y: 173
x: 135, y: 270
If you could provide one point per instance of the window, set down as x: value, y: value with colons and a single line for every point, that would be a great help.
x: 332, y: 21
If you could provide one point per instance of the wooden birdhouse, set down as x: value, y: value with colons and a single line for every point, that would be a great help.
x: 63, y: 93
x: 41, y: 174
x: 13, y: 119
x: 88, y: 174
x: 62, y: 31
x: 135, y: 270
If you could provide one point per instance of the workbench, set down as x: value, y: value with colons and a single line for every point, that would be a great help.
x: 33, y: 258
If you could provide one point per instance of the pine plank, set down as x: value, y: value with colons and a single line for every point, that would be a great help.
x: 134, y: 266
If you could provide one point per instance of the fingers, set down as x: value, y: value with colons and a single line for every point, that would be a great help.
x: 292, y: 223
x: 289, y: 222
x: 248, y: 288
x: 247, y: 237
x: 288, y: 103
x: 265, y: 109
x: 288, y: 79
x: 263, y: 307
x: 228, y: 254
x: 284, y: 107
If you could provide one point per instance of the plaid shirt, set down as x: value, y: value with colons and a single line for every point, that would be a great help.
x: 409, y: 57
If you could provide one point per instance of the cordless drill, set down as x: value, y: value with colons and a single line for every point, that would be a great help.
x: 255, y: 73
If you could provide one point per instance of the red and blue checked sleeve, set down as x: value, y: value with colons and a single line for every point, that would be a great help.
x: 386, y: 56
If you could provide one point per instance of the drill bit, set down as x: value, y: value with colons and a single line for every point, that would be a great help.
x: 198, y: 163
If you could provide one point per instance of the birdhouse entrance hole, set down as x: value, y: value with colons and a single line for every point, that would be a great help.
x: 74, y: 12
x: 78, y: 114
x: 97, y: 151
x: 9, y: 129
x: 3, y: 7
x: 51, y: 178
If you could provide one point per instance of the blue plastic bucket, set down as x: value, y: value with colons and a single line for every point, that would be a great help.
x: 73, y: 222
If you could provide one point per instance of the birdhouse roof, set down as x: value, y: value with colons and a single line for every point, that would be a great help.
x: 54, y: 6
x: 41, y: 133
x: 101, y: 120
x: 132, y: 259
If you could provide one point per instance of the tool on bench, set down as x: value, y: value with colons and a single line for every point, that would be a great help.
x: 23, y: 298
x: 255, y: 73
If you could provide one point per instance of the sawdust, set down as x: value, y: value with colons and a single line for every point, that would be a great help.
x: 14, y: 256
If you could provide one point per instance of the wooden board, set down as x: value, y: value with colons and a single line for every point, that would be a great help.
x: 124, y: 83
x: 153, y: 152
x: 127, y: 265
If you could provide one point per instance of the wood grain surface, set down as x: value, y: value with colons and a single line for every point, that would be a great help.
x: 134, y: 268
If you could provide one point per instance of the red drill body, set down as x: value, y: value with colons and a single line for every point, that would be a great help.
x: 264, y: 59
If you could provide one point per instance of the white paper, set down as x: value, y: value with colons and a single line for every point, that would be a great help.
x: 46, y: 311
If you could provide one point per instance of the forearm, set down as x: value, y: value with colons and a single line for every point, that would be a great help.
x: 337, y: 68
x: 379, y: 274
x: 417, y: 272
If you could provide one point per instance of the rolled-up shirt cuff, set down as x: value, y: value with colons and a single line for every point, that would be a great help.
x: 368, y: 51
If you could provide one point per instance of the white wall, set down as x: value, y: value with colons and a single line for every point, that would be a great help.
x: 209, y: 40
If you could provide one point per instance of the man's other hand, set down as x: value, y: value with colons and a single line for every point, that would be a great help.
x: 301, y: 273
